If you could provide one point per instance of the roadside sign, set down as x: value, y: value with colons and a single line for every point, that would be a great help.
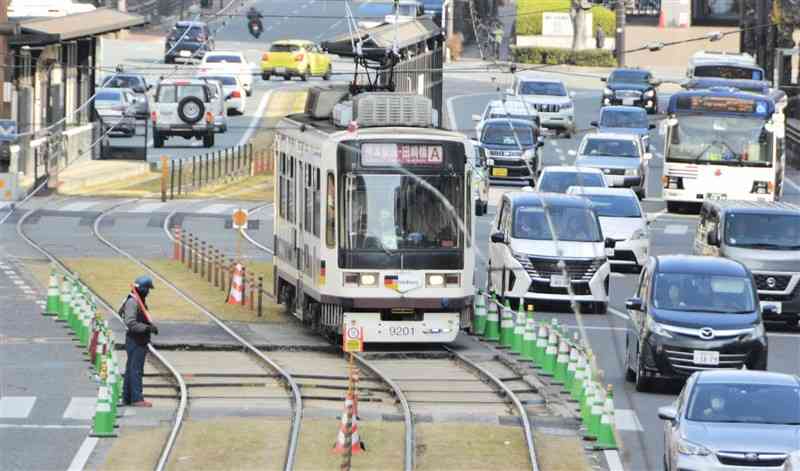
x: 352, y: 338
x: 240, y: 219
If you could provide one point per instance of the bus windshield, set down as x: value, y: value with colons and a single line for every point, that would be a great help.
x: 738, y: 140
x: 397, y: 212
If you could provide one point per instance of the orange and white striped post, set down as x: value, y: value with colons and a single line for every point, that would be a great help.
x: 236, y: 295
x: 176, y: 254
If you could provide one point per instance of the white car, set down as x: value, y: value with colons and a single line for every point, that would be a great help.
x: 621, y: 157
x: 218, y: 104
x: 511, y: 107
x: 558, y: 179
x: 550, y: 98
x: 406, y: 10
x: 525, y: 258
x: 622, y: 219
x: 229, y: 62
x: 233, y: 93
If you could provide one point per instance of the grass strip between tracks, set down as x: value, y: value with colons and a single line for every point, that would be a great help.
x: 136, y: 448
x: 382, y: 440
x: 471, y: 446
x: 560, y: 452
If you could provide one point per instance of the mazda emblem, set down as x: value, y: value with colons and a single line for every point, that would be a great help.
x: 771, y: 281
x: 751, y: 456
x: 707, y: 333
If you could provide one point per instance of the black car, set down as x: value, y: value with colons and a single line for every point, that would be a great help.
x: 631, y: 87
x: 509, y: 147
x: 188, y: 40
x: 693, y: 313
x: 138, y: 84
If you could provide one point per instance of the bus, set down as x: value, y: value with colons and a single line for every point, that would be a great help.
x: 374, y: 221
x: 722, y: 143
x: 724, y: 65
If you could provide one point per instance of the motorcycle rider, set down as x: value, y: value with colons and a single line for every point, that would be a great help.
x: 254, y: 17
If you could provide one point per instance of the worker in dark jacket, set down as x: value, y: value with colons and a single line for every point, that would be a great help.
x: 137, y: 320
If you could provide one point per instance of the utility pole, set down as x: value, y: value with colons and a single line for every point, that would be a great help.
x: 619, y: 39
x: 7, y: 75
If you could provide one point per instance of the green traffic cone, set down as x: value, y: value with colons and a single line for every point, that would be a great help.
x: 550, y: 353
x: 479, y: 319
x: 572, y: 365
x: 73, y: 306
x: 595, y: 414
x: 83, y: 324
x: 541, y: 344
x: 576, y: 388
x: 605, y: 433
x: 65, y: 308
x: 492, y: 321
x: 529, y: 338
x: 588, y: 400
x: 506, y: 326
x: 98, y: 349
x: 53, y: 296
x: 560, y: 370
x: 103, y: 423
x: 519, y: 328
x: 112, y: 384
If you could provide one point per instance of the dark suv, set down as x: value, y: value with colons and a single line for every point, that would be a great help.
x: 187, y: 41
x: 631, y: 87
x: 693, y: 313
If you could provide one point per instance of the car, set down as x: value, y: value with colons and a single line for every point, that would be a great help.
x: 218, y: 104
x: 372, y: 14
x: 116, y: 108
x: 480, y: 179
x: 550, y: 98
x: 229, y: 63
x: 692, y: 313
x: 183, y: 108
x: 622, y: 219
x: 187, y: 41
x: 511, y: 107
x: 765, y: 236
x: 138, y: 85
x: 510, y: 149
x: 631, y: 87
x: 233, y: 93
x: 621, y: 157
x: 733, y: 420
x: 296, y: 58
x: 524, y: 257
x: 405, y: 11
x: 558, y: 179
x: 625, y: 120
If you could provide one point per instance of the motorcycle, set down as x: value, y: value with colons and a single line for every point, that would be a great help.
x: 255, y: 27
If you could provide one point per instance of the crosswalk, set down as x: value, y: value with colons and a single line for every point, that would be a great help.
x: 80, y: 408
x: 148, y: 207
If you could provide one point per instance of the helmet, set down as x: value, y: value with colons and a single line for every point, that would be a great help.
x: 143, y: 284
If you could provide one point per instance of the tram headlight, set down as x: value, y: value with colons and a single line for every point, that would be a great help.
x: 442, y: 280
x: 435, y: 281
x: 368, y: 279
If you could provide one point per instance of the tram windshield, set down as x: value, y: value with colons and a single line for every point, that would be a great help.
x: 402, y: 212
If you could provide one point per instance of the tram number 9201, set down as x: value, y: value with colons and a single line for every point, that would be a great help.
x: 401, y: 331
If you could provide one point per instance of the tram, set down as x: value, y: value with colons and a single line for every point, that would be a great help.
x: 374, y: 219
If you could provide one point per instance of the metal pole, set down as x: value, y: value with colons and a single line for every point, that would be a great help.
x: 180, y: 176
x: 620, y: 36
x: 171, y: 182
x: 260, y: 294
x: 194, y: 169
x: 202, y: 259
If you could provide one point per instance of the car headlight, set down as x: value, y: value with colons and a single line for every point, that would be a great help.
x: 529, y: 154
x: 657, y: 328
x: 639, y: 234
x: 650, y: 93
x: 608, y: 91
x: 632, y: 172
x: 756, y: 332
x: 685, y: 447
x: 566, y: 106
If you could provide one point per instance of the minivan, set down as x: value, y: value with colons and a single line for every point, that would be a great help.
x: 525, y: 259
x: 509, y: 148
x: 764, y: 236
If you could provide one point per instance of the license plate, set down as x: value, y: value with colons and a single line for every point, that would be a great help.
x: 558, y: 281
x: 716, y: 196
x: 706, y: 357
x: 775, y: 305
x: 280, y: 70
x: 499, y: 172
x: 628, y: 101
x: 186, y: 54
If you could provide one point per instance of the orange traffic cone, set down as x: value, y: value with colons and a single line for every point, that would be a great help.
x: 236, y: 296
x: 662, y: 20
x: 349, y: 419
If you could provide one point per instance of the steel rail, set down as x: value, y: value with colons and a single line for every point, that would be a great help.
x: 297, y: 401
x: 180, y: 412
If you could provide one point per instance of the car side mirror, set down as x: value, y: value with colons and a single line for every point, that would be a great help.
x: 149, y: 87
x: 648, y: 156
x: 651, y: 126
x: 138, y: 89
x: 572, y: 94
x: 509, y: 91
x: 604, y: 79
x: 712, y: 238
x: 499, y: 238
x: 633, y: 304
x: 593, y: 123
x: 476, y: 117
x: 610, y: 243
x: 540, y: 141
x: 667, y: 413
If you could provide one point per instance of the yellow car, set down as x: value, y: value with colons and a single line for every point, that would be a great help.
x: 295, y: 58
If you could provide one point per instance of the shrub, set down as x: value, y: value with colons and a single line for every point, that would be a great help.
x: 529, y: 16
x: 456, y: 45
x: 556, y: 56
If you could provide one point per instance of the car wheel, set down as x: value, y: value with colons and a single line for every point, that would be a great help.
x: 158, y: 140
x: 305, y: 75
x: 249, y: 92
x: 169, y: 60
x: 674, y: 206
x: 640, y: 193
x: 630, y: 375
x: 642, y: 381
x: 600, y: 308
x: 328, y: 73
x: 208, y: 140
x: 265, y: 76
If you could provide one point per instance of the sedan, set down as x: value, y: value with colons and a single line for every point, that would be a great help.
x: 229, y: 63
x: 558, y: 179
x: 233, y: 93
x: 116, y: 109
x: 733, y: 420
x: 625, y: 120
x: 138, y: 85
x: 621, y: 158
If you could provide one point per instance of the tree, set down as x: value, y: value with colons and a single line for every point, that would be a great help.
x: 578, y: 14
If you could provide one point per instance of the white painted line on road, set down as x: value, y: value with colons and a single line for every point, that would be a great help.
x: 262, y: 105
x: 676, y: 229
x: 598, y: 327
x: 16, y: 407
x: 613, y: 461
x: 80, y: 408
x: 78, y: 206
x: 618, y: 313
x: 83, y: 454
x: 792, y: 184
x: 217, y: 209
x: 626, y: 420
x: 36, y: 426
x: 147, y: 207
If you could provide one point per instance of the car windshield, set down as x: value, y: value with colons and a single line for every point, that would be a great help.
x: 763, y: 231
x: 615, y: 206
x: 395, y: 212
x: 610, y: 147
x: 226, y: 80
x: 629, y: 76
x: 122, y: 82
x: 624, y: 119
x: 775, y: 404
x: 700, y: 292
x: 223, y: 58
x: 542, y: 88
x: 284, y: 48
x: 707, y: 138
x: 559, y: 182
x: 180, y: 32
x: 108, y: 95
x: 167, y: 93
x: 570, y: 223
x: 728, y: 72
x: 508, y: 134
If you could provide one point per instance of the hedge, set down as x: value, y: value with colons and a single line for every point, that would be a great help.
x: 529, y: 16
x: 556, y: 55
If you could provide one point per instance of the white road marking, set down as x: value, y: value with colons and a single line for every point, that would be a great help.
x: 613, y: 461
x: 256, y: 118
x: 792, y: 184
x: 217, y: 209
x: 626, y: 419
x: 676, y: 229
x: 16, y: 407
x: 618, y: 313
x: 80, y: 408
x: 147, y: 207
x: 83, y: 454
x: 78, y: 206
x: 37, y: 426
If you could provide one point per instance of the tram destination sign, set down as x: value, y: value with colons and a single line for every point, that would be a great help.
x: 722, y: 104
x: 393, y: 154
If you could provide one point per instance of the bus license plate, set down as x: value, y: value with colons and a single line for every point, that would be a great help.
x: 280, y: 70
x: 706, y: 357
x: 499, y: 172
x: 558, y: 281
x: 716, y: 196
x: 186, y: 54
x: 401, y: 331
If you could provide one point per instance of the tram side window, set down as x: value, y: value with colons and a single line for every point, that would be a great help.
x: 330, y: 212
x: 316, y: 203
x: 468, y: 202
x: 290, y: 187
x: 282, y: 186
x: 308, y: 199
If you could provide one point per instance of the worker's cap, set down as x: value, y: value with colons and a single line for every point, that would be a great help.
x: 144, y: 282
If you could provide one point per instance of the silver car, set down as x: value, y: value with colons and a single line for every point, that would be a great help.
x: 183, y: 108
x: 621, y: 157
x: 116, y: 109
x: 549, y: 98
x: 732, y: 420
